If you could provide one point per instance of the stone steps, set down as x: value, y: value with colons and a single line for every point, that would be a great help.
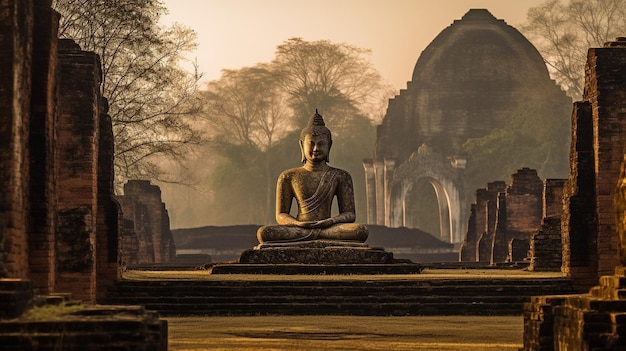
x: 337, y: 297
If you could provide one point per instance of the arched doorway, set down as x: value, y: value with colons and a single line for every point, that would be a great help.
x: 423, y: 203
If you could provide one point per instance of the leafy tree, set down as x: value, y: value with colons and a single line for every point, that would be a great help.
x: 536, y: 136
x: 152, y: 100
x: 246, y: 111
x: 335, y: 77
x: 247, y: 107
x: 563, y: 32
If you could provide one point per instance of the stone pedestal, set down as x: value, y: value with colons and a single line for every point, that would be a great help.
x: 317, y: 257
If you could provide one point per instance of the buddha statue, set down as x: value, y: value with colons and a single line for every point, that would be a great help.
x: 314, y: 187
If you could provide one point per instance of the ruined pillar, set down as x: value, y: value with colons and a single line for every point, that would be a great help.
x: 545, y: 244
x: 486, y: 215
x: 16, y: 25
x: 390, y: 165
x: 42, y: 143
x: 498, y: 246
x: 606, y: 92
x: 592, y: 220
x: 77, y: 160
x: 467, y: 251
x: 370, y: 189
x: 142, y: 204
x: 524, y: 198
x: 590, y: 246
x: 482, y: 197
x: 553, y: 197
x: 380, y: 192
x: 578, y: 221
x: 109, y: 217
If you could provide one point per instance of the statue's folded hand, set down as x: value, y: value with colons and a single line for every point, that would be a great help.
x: 308, y: 224
x: 324, y: 223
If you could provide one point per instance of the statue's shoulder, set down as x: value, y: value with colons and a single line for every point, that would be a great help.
x: 288, y: 173
x: 340, y: 172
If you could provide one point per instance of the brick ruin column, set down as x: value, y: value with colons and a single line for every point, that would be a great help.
x: 142, y: 204
x: 607, y: 95
x: 592, y: 220
x: 523, y: 199
x: 77, y: 161
x: 108, y: 221
x: 591, y: 247
x: 467, y: 251
x: 16, y: 21
x: 545, y: 245
x: 42, y: 138
x: 478, y: 226
x: 487, y: 226
x: 578, y: 221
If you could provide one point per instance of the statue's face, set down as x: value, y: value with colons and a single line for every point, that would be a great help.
x: 316, y: 148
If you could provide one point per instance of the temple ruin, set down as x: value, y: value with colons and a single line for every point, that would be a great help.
x: 146, y: 234
x: 592, y: 220
x: 59, y: 221
x: 58, y: 216
x: 465, y: 84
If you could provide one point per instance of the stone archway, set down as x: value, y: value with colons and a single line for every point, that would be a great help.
x: 406, y: 193
x: 398, y: 183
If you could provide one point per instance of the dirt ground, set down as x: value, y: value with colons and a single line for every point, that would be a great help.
x: 469, y: 333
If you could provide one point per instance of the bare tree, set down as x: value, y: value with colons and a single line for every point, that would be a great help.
x: 152, y: 100
x: 563, y: 32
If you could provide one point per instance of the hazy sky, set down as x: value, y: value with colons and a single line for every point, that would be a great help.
x: 238, y: 33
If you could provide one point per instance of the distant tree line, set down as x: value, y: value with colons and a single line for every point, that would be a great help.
x: 228, y: 141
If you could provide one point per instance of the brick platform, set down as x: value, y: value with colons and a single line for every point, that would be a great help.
x: 92, y: 328
x: 592, y: 321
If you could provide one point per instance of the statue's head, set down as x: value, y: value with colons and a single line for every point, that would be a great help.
x: 315, y: 128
